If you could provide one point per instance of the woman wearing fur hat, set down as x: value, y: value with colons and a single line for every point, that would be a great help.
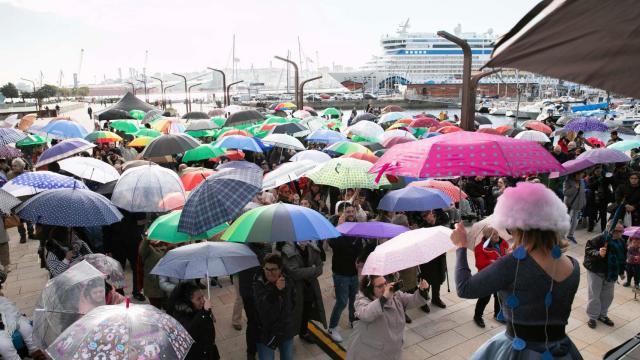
x: 536, y: 282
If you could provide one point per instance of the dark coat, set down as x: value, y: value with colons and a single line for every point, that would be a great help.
x: 592, y: 259
x: 275, y: 309
x: 199, y: 324
x: 305, y: 273
x: 435, y: 270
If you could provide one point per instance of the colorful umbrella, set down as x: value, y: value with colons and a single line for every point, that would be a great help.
x: 360, y: 156
x: 392, y: 108
x: 586, y: 124
x: 141, y: 141
x: 288, y: 172
x: 31, y: 140
x: 280, y: 223
x: 371, y: 229
x: 424, y: 122
x: 454, y: 192
x: 488, y: 130
x: 326, y: 136
x: 101, y: 137
x: 144, y: 188
x: 448, y: 129
x: 503, y: 129
x: 346, y: 173
x: 126, y: 126
x: 596, y: 142
x: 231, y: 132
x: 391, y: 142
x: 392, y: 116
x: 202, y: 152
x: 90, y: 169
x: 286, y: 106
x: 331, y: 113
x: 110, y: 267
x: 346, y: 147
x: 413, y: 198
x: 31, y: 183
x: 165, y: 229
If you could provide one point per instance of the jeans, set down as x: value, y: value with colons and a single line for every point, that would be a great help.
x: 21, y: 228
x: 481, y: 205
x: 575, y: 215
x: 346, y: 288
x: 267, y: 353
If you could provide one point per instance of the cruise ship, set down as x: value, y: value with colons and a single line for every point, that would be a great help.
x: 418, y: 58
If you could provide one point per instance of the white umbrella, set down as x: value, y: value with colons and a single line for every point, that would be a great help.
x: 475, y: 233
x: 10, y: 121
x: 284, y: 141
x: 533, y: 135
x: 316, y: 156
x: 408, y: 249
x: 395, y: 133
x: 90, y: 169
x: 313, y: 123
x: 287, y: 173
x: 146, y: 189
x: 367, y: 129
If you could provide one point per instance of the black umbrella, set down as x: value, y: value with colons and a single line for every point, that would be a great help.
x: 106, y: 189
x: 513, y: 132
x: 244, y: 116
x: 169, y: 145
x: 363, y: 116
x: 7, y: 202
x: 195, y: 115
x: 151, y: 115
x: 114, y: 114
x: 293, y: 129
x: 482, y: 120
x: 373, y: 146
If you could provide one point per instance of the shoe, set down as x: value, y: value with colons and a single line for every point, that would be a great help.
x: 637, y: 286
x: 438, y: 303
x: 237, y: 326
x: 591, y: 324
x: 627, y: 284
x: 251, y: 356
x: 139, y: 296
x: 23, y: 239
x: 407, y: 319
x: 307, y: 338
x: 32, y: 236
x: 425, y: 308
x: 479, y: 321
x: 590, y: 229
x: 605, y: 320
x: 335, y: 335
x: 572, y: 239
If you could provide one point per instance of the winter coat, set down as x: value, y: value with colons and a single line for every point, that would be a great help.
x: 379, y: 332
x: 485, y: 256
x: 345, y: 251
x: 592, y: 259
x: 275, y: 309
x: 599, y: 191
x: 305, y: 274
x: 150, y: 256
x: 435, y: 270
x: 574, y: 194
x: 199, y: 324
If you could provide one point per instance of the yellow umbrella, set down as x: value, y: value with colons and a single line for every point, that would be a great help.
x: 141, y: 141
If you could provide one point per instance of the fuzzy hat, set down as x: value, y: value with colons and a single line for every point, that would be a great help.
x: 529, y: 206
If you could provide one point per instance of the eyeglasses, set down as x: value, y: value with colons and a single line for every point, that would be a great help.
x: 271, y: 269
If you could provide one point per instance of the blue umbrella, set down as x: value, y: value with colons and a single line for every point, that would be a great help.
x: 586, y: 124
x: 414, y: 198
x: 239, y: 142
x: 240, y: 164
x: 64, y: 129
x: 430, y: 134
x: 69, y: 208
x: 8, y: 136
x: 62, y: 150
x: 219, y: 198
x: 326, y: 136
x: 371, y: 229
x: 31, y: 183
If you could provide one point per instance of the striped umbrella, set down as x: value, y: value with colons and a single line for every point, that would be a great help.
x: 10, y: 135
x: 347, y: 147
x: 454, y: 192
x: 101, y: 137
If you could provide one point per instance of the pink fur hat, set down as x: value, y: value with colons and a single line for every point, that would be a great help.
x: 531, y: 206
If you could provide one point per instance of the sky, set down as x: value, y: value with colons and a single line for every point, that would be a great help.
x: 190, y: 35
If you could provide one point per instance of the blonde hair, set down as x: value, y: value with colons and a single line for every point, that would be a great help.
x: 487, y: 231
x: 535, y: 239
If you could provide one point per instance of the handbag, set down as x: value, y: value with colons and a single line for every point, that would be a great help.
x: 11, y: 221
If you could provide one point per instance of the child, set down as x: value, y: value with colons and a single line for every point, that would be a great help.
x: 633, y: 262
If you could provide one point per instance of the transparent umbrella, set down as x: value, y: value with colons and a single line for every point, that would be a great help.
x: 144, y: 188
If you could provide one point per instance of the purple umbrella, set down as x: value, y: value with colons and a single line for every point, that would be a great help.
x: 371, y: 229
x: 586, y: 124
x: 632, y: 232
x: 413, y: 198
x: 590, y: 158
x: 63, y: 150
x: 9, y: 152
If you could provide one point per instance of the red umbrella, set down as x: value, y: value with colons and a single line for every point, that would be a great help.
x: 390, y: 142
x: 267, y: 127
x: 404, y: 121
x: 424, y: 122
x: 489, y: 131
x: 231, y: 154
x: 596, y: 142
x: 235, y: 132
x: 392, y: 108
x: 503, y: 129
x: 360, y: 156
x: 446, y: 187
x: 192, y: 179
x: 538, y: 126
x: 449, y: 129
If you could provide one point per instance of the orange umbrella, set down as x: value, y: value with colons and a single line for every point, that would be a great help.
x: 449, y: 129
x: 231, y: 154
x: 27, y: 121
x: 404, y: 121
x: 446, y: 187
x: 503, y: 129
x: 538, y: 126
x: 392, y: 108
x: 361, y: 156
x: 489, y: 131
x: 235, y: 132
x: 192, y: 179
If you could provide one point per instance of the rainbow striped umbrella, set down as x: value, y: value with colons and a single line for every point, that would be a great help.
x: 141, y: 141
x: 101, y: 137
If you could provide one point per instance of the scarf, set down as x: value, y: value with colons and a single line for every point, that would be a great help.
x: 615, y: 259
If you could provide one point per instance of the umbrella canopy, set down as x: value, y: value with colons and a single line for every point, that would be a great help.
x: 454, y: 192
x: 147, y: 132
x: 285, y: 106
x: 366, y: 129
x: 216, y: 112
x: 533, y: 135
x: 288, y: 172
x: 482, y: 120
x: 9, y: 152
x: 195, y: 115
x: 31, y: 140
x: 551, y: 40
x: 206, y: 259
x: 168, y: 125
x: 392, y: 108
x: 231, y: 131
x: 219, y: 198
x: 239, y: 142
x: 201, y: 133
x: 503, y: 129
x: 201, y: 125
x: 301, y: 114
x: 151, y: 115
x: 466, y: 154
x: 69, y: 208
x: 62, y: 150
x: 7, y: 202
x: 448, y: 129
x: 280, y: 223
x: 133, y: 331
x: 316, y: 156
x: 596, y: 142
x: 625, y: 145
x: 325, y: 136
x: 331, y: 113
x: 488, y: 131
x: 632, y: 232
x: 31, y: 183
x: 293, y: 129
x: 395, y: 133
x: 413, y: 198
x: 114, y: 114
x: 9, y: 135
x: 371, y: 229
x: 101, y: 137
x: 244, y: 116
x: 110, y: 267
x: 202, y: 152
x: 144, y: 189
x: 408, y: 249
x: 165, y: 229
x: 126, y: 126
x: 283, y: 141
x: 238, y: 165
x: 392, y: 117
x: 586, y: 124
x: 170, y: 145
x: 393, y: 141
x: 90, y: 169
x: 475, y: 234
x: 424, y: 122
x: 64, y: 129
x: 363, y: 116
x: 65, y: 299
x: 360, y: 156
x: 141, y: 141
x: 590, y: 158
x: 192, y: 179
x: 346, y: 147
x: 346, y: 173
x: 538, y: 126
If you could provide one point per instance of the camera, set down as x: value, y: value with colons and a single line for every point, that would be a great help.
x: 397, y: 285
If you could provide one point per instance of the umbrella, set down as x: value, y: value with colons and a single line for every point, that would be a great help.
x: 218, y: 120
x: 392, y: 108
x: 553, y: 40
x: 165, y: 229
x: 144, y: 188
x: 69, y: 208
x: 126, y: 126
x: 285, y: 106
x: 31, y: 140
x: 9, y: 152
x: 123, y: 331
x: 219, y: 198
x: 394, y: 134
x: 62, y: 150
x: 283, y: 141
x: 202, y: 152
x: 10, y: 121
x: 135, y: 163
x: 201, y: 125
x: 393, y: 141
x: 195, y: 115
x: 9, y: 135
x: 424, y: 122
x: 240, y: 165
x: 346, y: 173
x: 113, y: 114
x: 482, y: 120
x: 503, y: 129
x: 239, y: 142
x: 65, y: 299
x: 170, y: 145
x: 301, y: 114
x: 373, y: 146
x: 392, y: 116
x: 366, y: 129
x: 448, y: 129
x: 632, y: 232
x: 489, y: 131
x: 201, y: 133
x: 109, y: 267
x: 586, y: 124
x: 316, y: 156
x: 408, y: 249
x: 360, y: 156
x: 466, y: 154
x: 363, y: 116
x: 326, y: 136
x: 346, y: 147
x: 64, y: 129
x: 90, y: 169
x: 137, y: 114
x: 288, y: 172
x: 244, y: 116
x: 313, y: 123
x: 101, y: 137
x: 280, y: 223
x: 475, y: 233
x: 151, y: 115
x: 331, y: 113
x: 625, y: 145
x: 7, y: 202
x: 27, y: 121
x: 533, y: 135
x: 371, y: 229
x: 293, y: 129
x: 454, y: 192
x: 596, y: 142
x: 590, y: 158
x: 141, y: 141
x: 168, y: 125
x: 538, y: 126
x: 31, y: 183
x: 147, y: 132
x: 192, y: 179
x: 413, y: 198
x: 216, y: 112
x: 232, y: 131
x: 513, y: 132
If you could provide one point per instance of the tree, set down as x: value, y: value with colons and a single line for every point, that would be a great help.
x: 46, y: 91
x: 82, y: 91
x: 9, y: 91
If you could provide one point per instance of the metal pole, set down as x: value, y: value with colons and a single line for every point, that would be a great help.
x: 189, y: 92
x: 185, y: 91
x: 302, y: 84
x: 225, y: 95
x: 468, y: 109
x: 165, y: 91
x: 34, y: 90
x: 161, y: 91
x: 473, y: 84
x: 133, y: 86
x: 296, y: 79
x: 515, y: 121
x: 230, y: 85
x: 144, y: 83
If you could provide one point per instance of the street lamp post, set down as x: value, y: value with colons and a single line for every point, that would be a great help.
x: 302, y: 84
x: 229, y: 88
x: 225, y: 97
x: 189, y: 93
x: 133, y: 86
x: 473, y: 84
x: 165, y: 91
x: 34, y: 91
x: 144, y: 82
x: 161, y: 91
x: 185, y: 90
x: 468, y: 109
x: 296, y: 79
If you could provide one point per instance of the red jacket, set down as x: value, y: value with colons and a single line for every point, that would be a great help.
x: 484, y: 257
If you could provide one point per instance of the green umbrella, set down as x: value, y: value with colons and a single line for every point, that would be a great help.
x: 625, y: 145
x: 347, y: 147
x: 218, y: 120
x: 165, y: 229
x: 202, y: 152
x: 261, y: 134
x: 276, y: 120
x: 201, y: 133
x: 417, y: 132
x: 357, y: 138
x: 331, y: 112
x: 31, y: 140
x: 147, y: 132
x: 345, y: 173
x: 125, y: 126
x: 137, y: 114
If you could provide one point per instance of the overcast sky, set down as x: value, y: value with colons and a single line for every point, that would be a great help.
x: 190, y: 35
